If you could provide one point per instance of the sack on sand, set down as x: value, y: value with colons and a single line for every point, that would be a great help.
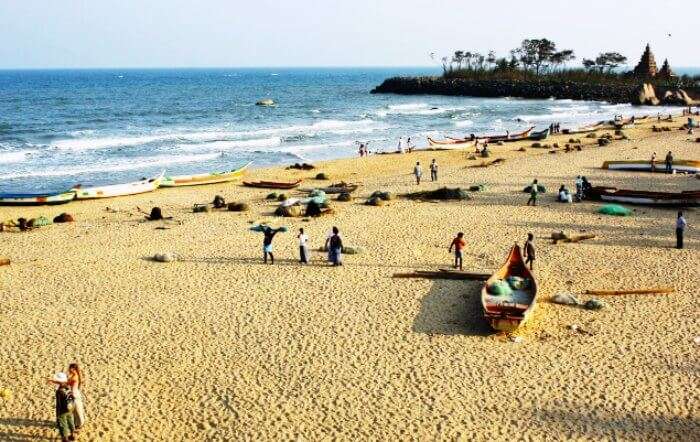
x: 565, y: 299
x: 63, y: 218
x: 614, y: 210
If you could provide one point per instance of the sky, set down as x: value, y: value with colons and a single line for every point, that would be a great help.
x: 287, y: 33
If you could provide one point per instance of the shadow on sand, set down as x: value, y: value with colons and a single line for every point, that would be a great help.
x: 25, y: 423
x: 452, y: 308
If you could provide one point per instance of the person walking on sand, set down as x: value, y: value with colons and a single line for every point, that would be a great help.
x: 409, y: 146
x: 433, y: 170
x: 75, y: 382
x: 653, y: 162
x: 529, y: 249
x: 418, y: 172
x: 681, y: 225
x: 458, y: 243
x: 303, y: 247
x: 534, y: 191
x: 669, y: 162
x: 65, y: 406
x: 269, y: 233
x: 334, y: 244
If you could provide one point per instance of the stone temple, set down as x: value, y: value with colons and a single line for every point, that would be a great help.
x: 646, y: 68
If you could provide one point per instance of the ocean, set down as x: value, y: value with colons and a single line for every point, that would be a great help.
x: 59, y: 128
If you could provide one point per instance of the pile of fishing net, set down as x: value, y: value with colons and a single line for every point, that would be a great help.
x: 614, y: 210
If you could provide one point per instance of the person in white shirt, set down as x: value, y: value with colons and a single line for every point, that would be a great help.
x: 303, y: 247
x: 418, y: 172
x: 402, y: 148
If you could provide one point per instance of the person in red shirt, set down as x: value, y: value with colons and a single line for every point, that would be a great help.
x: 458, y: 243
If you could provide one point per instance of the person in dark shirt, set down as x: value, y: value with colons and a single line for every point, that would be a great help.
x: 529, y: 248
x: 669, y: 162
x: 334, y: 244
x: 267, y: 243
x: 65, y: 404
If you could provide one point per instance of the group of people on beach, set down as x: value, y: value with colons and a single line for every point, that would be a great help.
x: 668, y: 162
x: 334, y: 246
x: 555, y: 128
x: 69, y: 402
x: 418, y: 171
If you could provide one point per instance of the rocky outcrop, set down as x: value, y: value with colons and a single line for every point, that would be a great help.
x: 506, y: 88
x: 645, y: 94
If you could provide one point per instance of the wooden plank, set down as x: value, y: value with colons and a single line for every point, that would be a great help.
x: 444, y: 274
x: 662, y: 290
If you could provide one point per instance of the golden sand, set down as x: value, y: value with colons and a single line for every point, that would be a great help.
x: 217, y: 346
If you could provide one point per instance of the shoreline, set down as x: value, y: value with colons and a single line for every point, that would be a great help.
x: 309, y: 352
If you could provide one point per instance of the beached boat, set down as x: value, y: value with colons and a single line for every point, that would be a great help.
x: 204, y: 178
x: 450, y: 143
x: 687, y: 166
x: 113, y: 190
x: 272, y: 184
x: 453, y: 142
x: 668, y: 199
x: 538, y: 136
x: 36, y: 199
x: 506, y: 312
x: 347, y: 188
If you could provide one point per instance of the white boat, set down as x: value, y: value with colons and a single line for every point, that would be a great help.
x: 203, y: 178
x: 143, y: 186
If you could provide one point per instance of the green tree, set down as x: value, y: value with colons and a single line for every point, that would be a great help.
x: 540, y: 54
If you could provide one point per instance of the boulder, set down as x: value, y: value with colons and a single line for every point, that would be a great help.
x: 645, y: 95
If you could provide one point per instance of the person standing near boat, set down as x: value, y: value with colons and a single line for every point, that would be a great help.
x: 579, y: 188
x: 401, y: 147
x: 653, y: 162
x: 303, y: 247
x: 433, y: 170
x: 681, y: 225
x: 458, y: 243
x: 418, y: 172
x: 529, y: 249
x: 669, y: 162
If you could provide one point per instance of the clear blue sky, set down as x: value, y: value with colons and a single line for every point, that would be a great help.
x: 174, y: 33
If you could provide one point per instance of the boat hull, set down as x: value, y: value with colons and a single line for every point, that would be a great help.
x: 36, y: 199
x: 115, y: 190
x: 638, y: 197
x: 686, y: 166
x: 508, y: 314
x: 203, y: 179
x: 272, y: 184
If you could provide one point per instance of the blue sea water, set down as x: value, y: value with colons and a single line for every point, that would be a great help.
x: 63, y: 127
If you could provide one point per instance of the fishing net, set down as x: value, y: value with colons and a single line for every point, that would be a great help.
x: 614, y: 210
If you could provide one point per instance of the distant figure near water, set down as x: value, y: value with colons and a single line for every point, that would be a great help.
x: 653, y: 162
x: 669, y: 162
x: 433, y: 170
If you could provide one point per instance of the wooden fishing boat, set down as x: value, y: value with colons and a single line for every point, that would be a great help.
x: 272, y: 184
x: 508, y: 312
x: 667, y: 199
x: 483, y: 138
x: 36, y: 199
x: 687, y: 166
x: 204, y: 178
x: 142, y: 186
x: 450, y: 143
x: 538, y: 136
x: 330, y: 190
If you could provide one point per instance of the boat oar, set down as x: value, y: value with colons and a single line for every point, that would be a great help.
x: 662, y: 290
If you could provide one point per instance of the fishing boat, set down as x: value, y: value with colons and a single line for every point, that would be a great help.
x: 204, y: 178
x: 667, y: 199
x: 335, y: 189
x: 450, y: 143
x: 538, y: 136
x: 687, y: 166
x: 36, y: 199
x: 482, y: 138
x: 272, y: 184
x: 506, y: 312
x: 142, y: 186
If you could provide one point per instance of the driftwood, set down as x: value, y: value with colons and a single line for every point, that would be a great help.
x: 4, y: 262
x: 444, y: 274
x: 662, y: 290
x: 563, y: 237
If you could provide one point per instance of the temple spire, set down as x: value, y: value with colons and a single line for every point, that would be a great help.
x: 646, y: 67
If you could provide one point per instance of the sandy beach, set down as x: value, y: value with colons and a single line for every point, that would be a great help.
x: 218, y: 346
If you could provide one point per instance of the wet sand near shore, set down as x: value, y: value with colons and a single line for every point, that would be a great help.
x: 218, y: 346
